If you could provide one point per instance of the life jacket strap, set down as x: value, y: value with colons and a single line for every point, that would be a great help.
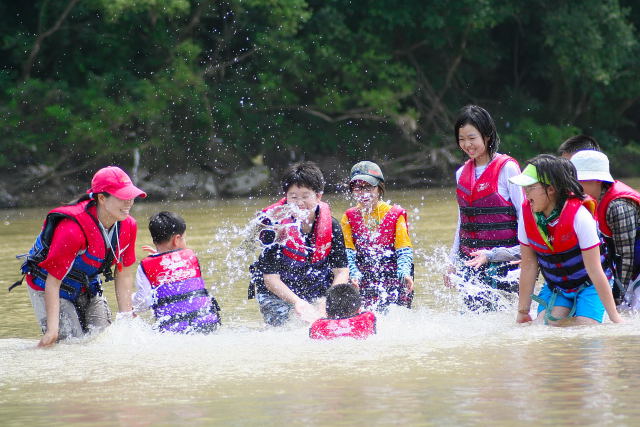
x: 75, y: 275
x: 482, y: 243
x: 18, y: 283
x: 487, y: 210
x: 487, y: 226
x: 188, y: 317
x: 181, y: 297
x: 552, y: 302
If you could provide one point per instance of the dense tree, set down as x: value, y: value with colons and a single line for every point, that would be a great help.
x: 211, y: 84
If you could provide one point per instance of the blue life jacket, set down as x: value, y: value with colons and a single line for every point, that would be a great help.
x: 97, y: 258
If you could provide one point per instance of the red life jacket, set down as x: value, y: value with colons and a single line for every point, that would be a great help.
x: 487, y: 220
x: 360, y: 326
x: 96, y: 259
x: 386, y: 233
x: 618, y: 190
x: 295, y: 247
x: 182, y: 302
x: 561, y: 264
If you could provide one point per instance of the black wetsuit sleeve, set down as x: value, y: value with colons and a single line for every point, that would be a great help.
x: 338, y: 255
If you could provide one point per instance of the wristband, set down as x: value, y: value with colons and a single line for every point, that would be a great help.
x: 523, y: 311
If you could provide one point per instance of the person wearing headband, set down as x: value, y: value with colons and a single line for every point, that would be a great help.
x: 558, y: 235
x: 77, y: 244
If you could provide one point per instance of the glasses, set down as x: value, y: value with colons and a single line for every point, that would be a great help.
x: 362, y: 187
x: 529, y: 188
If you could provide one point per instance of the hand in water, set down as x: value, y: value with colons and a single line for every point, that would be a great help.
x: 408, y: 282
x: 479, y: 259
x: 446, y: 277
x: 523, y: 318
x: 49, y: 339
x: 616, y: 318
x: 306, y: 311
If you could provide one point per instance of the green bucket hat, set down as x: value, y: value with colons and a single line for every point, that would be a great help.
x: 368, y: 172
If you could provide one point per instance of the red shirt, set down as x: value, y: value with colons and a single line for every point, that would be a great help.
x: 68, y: 240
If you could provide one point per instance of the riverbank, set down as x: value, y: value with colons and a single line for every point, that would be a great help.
x: 42, y: 186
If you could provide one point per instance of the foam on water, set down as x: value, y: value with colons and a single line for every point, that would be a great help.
x: 131, y: 349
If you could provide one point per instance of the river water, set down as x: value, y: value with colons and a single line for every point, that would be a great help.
x: 432, y: 365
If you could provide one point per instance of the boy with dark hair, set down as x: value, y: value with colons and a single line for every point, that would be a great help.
x: 304, y: 249
x: 170, y: 281
x: 577, y: 143
x: 344, y: 318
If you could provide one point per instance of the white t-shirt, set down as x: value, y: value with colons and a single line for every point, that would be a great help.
x: 584, y: 225
x: 142, y: 300
x: 506, y: 189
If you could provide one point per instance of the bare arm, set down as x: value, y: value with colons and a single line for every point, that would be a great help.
x: 302, y: 308
x: 340, y: 275
x: 52, y: 306
x: 124, y: 288
x: 528, y: 276
x: 591, y: 258
x: 277, y: 287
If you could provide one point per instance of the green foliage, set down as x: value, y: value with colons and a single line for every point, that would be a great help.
x: 527, y: 138
x: 211, y: 84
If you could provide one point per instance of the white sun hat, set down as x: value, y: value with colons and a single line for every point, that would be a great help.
x: 592, y: 165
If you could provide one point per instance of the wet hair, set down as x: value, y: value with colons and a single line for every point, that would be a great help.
x: 343, y: 300
x: 559, y: 173
x: 303, y: 174
x: 480, y: 119
x: 164, y: 225
x: 578, y: 143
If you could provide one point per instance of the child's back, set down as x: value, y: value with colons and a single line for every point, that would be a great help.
x: 170, y: 281
x: 344, y: 318
x: 181, y: 302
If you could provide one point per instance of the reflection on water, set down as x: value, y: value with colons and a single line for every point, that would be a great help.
x: 431, y: 365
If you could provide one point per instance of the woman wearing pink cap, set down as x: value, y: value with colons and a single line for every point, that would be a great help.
x: 78, y: 242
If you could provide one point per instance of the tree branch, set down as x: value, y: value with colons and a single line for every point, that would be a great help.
x: 28, y: 64
x: 212, y: 68
x: 194, y: 22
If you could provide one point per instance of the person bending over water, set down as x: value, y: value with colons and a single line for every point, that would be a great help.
x: 171, y: 282
x: 558, y: 234
x: 304, y: 249
x: 78, y: 242
x: 344, y: 318
x: 489, y: 206
x: 377, y: 242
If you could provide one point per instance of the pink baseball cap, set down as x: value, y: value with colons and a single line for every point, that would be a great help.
x: 116, y: 182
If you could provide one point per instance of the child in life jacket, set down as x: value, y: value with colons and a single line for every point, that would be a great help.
x: 512, y: 254
x: 618, y: 215
x: 344, y: 318
x: 377, y: 242
x: 558, y: 235
x: 303, y: 251
x: 170, y: 281
x: 489, y: 207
